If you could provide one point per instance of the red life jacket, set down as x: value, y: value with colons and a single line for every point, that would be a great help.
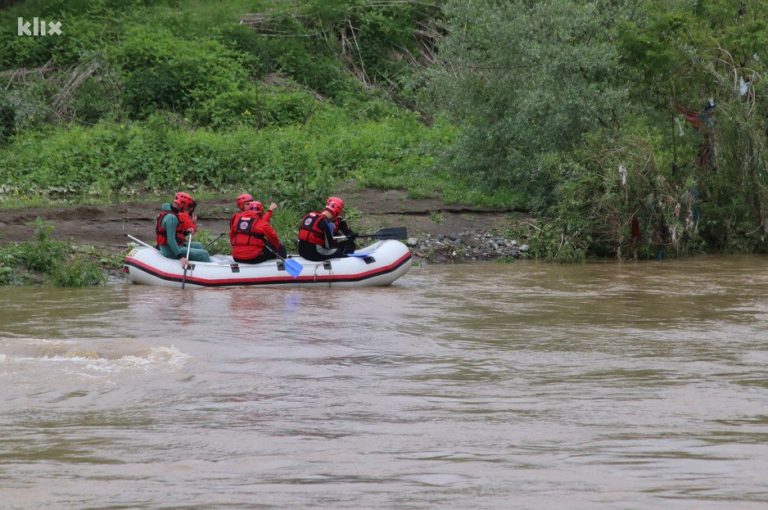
x: 161, y: 238
x: 310, y: 231
x: 235, y: 219
x: 233, y: 225
x: 246, y: 244
x: 186, y: 222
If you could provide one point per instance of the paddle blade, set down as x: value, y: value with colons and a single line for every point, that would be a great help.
x: 391, y: 233
x: 293, y: 268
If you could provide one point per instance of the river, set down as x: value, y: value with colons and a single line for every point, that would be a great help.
x: 524, y: 385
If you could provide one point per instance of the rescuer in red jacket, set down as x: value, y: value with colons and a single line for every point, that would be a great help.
x: 254, y: 240
x: 318, y: 229
x: 241, y: 202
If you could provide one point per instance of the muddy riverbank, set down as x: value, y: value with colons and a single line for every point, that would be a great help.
x: 437, y: 232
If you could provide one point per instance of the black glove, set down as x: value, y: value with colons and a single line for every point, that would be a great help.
x: 352, y: 235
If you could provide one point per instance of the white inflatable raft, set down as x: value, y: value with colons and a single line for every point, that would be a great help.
x: 376, y: 265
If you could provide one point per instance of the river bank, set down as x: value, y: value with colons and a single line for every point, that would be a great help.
x: 438, y: 232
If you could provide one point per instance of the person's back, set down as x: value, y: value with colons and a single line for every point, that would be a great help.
x: 254, y: 239
x: 317, y: 231
x: 169, y: 233
x: 241, y: 202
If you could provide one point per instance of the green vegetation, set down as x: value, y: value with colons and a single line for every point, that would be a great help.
x: 140, y: 97
x: 298, y: 163
x: 590, y: 113
x: 57, y: 261
x: 600, y: 111
x: 78, y: 272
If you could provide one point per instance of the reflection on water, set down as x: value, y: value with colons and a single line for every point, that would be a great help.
x: 491, y: 386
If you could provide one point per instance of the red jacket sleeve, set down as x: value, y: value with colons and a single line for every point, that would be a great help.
x: 263, y: 227
x: 187, y: 223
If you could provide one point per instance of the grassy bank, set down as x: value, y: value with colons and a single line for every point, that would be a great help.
x: 284, y: 98
x: 48, y: 261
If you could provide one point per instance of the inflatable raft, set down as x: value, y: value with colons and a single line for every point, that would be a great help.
x: 376, y: 265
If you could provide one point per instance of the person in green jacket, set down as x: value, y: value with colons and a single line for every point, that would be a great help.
x: 174, y: 222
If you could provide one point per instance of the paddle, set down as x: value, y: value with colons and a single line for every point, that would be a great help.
x: 293, y: 267
x: 186, y: 265
x: 141, y: 242
x: 217, y: 238
x: 384, y: 233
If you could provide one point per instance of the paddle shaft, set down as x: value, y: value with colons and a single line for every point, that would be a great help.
x: 366, y: 235
x: 186, y: 265
x: 219, y: 237
x: 267, y: 246
x: 140, y: 242
x: 384, y: 233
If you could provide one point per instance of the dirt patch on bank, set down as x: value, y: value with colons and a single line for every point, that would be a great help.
x: 427, y: 215
x: 107, y: 225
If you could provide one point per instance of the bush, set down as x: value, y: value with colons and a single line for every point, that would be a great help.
x: 7, y: 121
x: 238, y: 107
x: 165, y: 72
x: 313, y: 67
x: 282, y: 108
x: 97, y: 98
x: 255, y: 107
x: 44, y: 253
x: 78, y: 272
x: 6, y: 276
x: 31, y: 104
x: 50, y: 257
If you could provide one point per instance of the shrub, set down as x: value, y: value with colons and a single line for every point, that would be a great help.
x: 165, y: 72
x: 6, y: 276
x: 283, y: 108
x: 44, y: 253
x: 231, y: 108
x: 7, y: 120
x: 96, y: 99
x: 78, y: 272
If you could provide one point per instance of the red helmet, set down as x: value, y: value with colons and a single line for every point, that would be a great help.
x: 242, y: 200
x: 256, y: 206
x: 182, y: 201
x: 335, y: 205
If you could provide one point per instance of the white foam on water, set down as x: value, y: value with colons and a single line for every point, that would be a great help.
x: 90, y: 359
x: 162, y: 356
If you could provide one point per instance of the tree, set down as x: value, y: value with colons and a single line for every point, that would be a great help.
x: 526, y: 80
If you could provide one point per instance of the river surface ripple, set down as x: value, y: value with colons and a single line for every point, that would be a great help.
x: 478, y: 386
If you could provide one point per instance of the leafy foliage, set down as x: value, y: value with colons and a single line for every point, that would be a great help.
x: 7, y: 121
x: 531, y: 104
x: 295, y: 163
x: 78, y: 272
x: 163, y: 71
x: 50, y: 257
x: 636, y: 128
x: 42, y: 254
x: 526, y: 79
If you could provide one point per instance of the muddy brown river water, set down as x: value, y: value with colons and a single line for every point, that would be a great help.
x: 530, y: 386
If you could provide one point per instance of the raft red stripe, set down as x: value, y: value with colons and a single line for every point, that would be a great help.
x: 270, y: 279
